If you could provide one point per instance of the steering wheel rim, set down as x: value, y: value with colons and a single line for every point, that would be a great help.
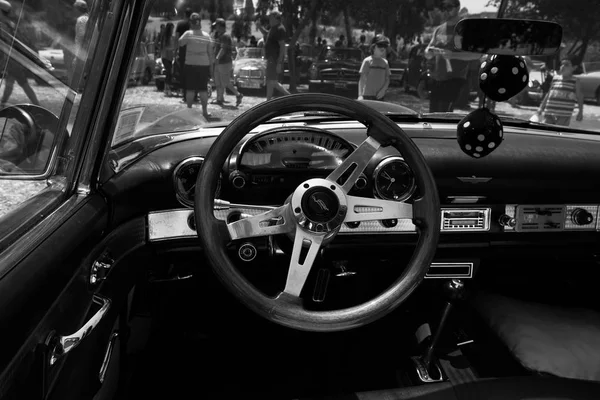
x: 286, y: 309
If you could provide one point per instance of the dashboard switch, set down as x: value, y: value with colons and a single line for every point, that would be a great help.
x: 582, y: 217
x: 507, y: 221
x: 353, y: 225
x: 389, y: 223
x: 247, y: 252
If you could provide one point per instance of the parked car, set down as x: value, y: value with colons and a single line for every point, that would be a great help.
x: 143, y: 65
x: 336, y: 71
x: 397, y: 67
x: 416, y: 76
x: 250, y: 68
x: 590, y: 81
x: 304, y: 60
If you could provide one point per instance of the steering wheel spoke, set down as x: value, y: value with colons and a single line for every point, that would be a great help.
x: 273, y: 222
x: 365, y: 209
x: 306, y: 248
x: 349, y: 171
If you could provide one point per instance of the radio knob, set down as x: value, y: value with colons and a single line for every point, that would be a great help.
x: 582, y: 217
x: 507, y: 221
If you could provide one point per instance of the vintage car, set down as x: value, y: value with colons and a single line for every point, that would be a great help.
x: 336, y: 70
x: 590, y: 81
x: 417, y: 74
x: 308, y: 247
x: 250, y: 68
x: 304, y: 60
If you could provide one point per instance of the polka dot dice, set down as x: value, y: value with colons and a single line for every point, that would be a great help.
x: 502, y: 77
x: 480, y: 133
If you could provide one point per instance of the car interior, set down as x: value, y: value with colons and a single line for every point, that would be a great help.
x: 317, y: 247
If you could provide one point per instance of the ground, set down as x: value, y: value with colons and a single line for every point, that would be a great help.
x: 12, y: 193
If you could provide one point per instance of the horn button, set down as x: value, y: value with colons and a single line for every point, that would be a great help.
x: 319, y: 206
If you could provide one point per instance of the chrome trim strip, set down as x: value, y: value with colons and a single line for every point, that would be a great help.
x: 468, y: 265
x: 107, y: 356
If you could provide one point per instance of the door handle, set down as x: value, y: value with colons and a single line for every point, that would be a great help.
x: 65, y: 343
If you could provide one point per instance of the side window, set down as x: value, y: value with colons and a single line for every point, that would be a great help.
x: 45, y: 47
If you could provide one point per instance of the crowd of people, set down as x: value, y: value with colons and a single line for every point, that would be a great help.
x: 204, y: 55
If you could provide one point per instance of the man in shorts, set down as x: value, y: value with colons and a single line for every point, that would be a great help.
x: 274, y: 52
x: 224, y: 63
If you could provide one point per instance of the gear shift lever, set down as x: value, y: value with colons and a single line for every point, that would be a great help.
x: 427, y: 366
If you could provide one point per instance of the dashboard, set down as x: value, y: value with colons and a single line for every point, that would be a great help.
x: 536, y: 190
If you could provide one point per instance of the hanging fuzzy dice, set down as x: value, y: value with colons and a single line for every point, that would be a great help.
x: 502, y: 77
x: 479, y: 133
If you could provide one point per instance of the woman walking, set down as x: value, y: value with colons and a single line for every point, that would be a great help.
x: 198, y: 62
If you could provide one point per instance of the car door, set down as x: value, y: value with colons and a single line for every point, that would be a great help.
x: 61, y: 289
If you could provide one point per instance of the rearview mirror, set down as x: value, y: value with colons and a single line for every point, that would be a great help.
x: 28, y: 142
x: 514, y: 37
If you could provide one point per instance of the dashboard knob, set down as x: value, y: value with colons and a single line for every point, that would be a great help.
x: 507, y: 221
x: 582, y: 217
x: 361, y: 182
x: 238, y: 180
x: 389, y: 223
x: 247, y: 252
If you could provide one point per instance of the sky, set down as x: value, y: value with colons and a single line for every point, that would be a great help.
x: 476, y: 6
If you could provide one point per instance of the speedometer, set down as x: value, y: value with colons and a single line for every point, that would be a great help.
x: 394, y: 179
x: 184, y: 179
x: 294, y: 148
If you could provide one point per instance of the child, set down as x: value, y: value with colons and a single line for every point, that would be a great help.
x: 375, y: 71
x: 558, y: 105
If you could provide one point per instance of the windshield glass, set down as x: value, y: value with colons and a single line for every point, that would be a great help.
x: 197, y: 66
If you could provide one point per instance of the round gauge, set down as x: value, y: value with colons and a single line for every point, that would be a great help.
x: 394, y: 179
x: 184, y: 179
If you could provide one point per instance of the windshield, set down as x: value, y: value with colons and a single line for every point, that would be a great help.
x: 173, y: 88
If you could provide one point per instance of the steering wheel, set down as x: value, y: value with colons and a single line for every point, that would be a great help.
x: 314, y: 214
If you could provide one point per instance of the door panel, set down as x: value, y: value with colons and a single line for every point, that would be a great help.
x: 76, y: 374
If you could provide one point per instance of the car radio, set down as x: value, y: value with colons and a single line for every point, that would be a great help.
x: 463, y: 220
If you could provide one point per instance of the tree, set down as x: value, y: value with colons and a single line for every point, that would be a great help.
x: 580, y: 19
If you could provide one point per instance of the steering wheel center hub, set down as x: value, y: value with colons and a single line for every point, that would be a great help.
x: 319, y: 205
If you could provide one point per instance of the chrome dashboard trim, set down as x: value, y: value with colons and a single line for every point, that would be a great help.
x: 174, y: 224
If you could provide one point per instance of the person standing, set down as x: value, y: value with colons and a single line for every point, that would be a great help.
x: 198, y: 62
x: 274, y: 52
x: 224, y: 63
x: 182, y: 27
x: 565, y: 91
x: 375, y: 71
x: 167, y: 50
x: 80, y: 25
x: 449, y: 73
x: 13, y: 71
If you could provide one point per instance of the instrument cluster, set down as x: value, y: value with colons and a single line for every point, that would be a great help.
x: 267, y: 168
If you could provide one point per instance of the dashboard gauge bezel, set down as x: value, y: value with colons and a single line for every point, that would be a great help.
x: 385, y: 162
x: 186, y: 163
x: 288, y: 130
